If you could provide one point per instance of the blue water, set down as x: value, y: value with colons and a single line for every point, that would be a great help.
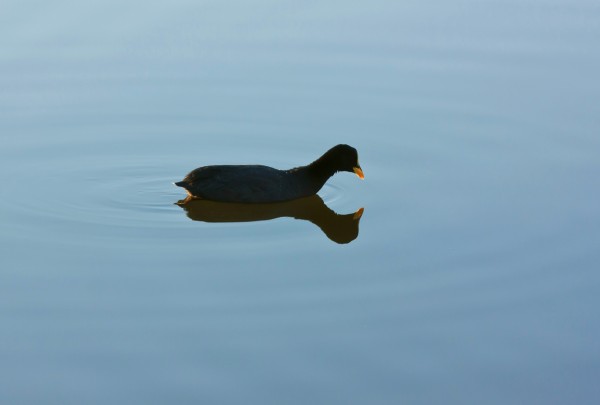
x: 470, y: 278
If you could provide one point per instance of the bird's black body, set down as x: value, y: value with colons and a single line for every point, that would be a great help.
x: 263, y: 184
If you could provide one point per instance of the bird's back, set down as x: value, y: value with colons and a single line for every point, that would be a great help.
x: 236, y: 183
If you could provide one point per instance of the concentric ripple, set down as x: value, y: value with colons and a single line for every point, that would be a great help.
x: 128, y: 193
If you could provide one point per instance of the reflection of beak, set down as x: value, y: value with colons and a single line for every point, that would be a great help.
x: 358, y: 214
x: 359, y: 172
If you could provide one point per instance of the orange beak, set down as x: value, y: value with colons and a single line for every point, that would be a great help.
x: 359, y: 172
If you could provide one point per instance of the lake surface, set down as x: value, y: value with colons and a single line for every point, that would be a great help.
x: 466, y: 270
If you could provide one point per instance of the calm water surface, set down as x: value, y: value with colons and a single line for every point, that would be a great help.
x: 471, y: 276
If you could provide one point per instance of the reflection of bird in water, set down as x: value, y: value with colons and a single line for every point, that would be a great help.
x: 263, y: 184
x: 338, y: 228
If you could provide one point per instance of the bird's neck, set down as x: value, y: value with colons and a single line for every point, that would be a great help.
x: 321, y: 170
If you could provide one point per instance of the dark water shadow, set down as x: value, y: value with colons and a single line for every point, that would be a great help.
x: 338, y: 228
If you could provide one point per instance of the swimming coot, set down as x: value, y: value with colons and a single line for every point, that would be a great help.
x: 263, y: 184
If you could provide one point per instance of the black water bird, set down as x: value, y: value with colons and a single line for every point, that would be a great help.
x: 263, y: 184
